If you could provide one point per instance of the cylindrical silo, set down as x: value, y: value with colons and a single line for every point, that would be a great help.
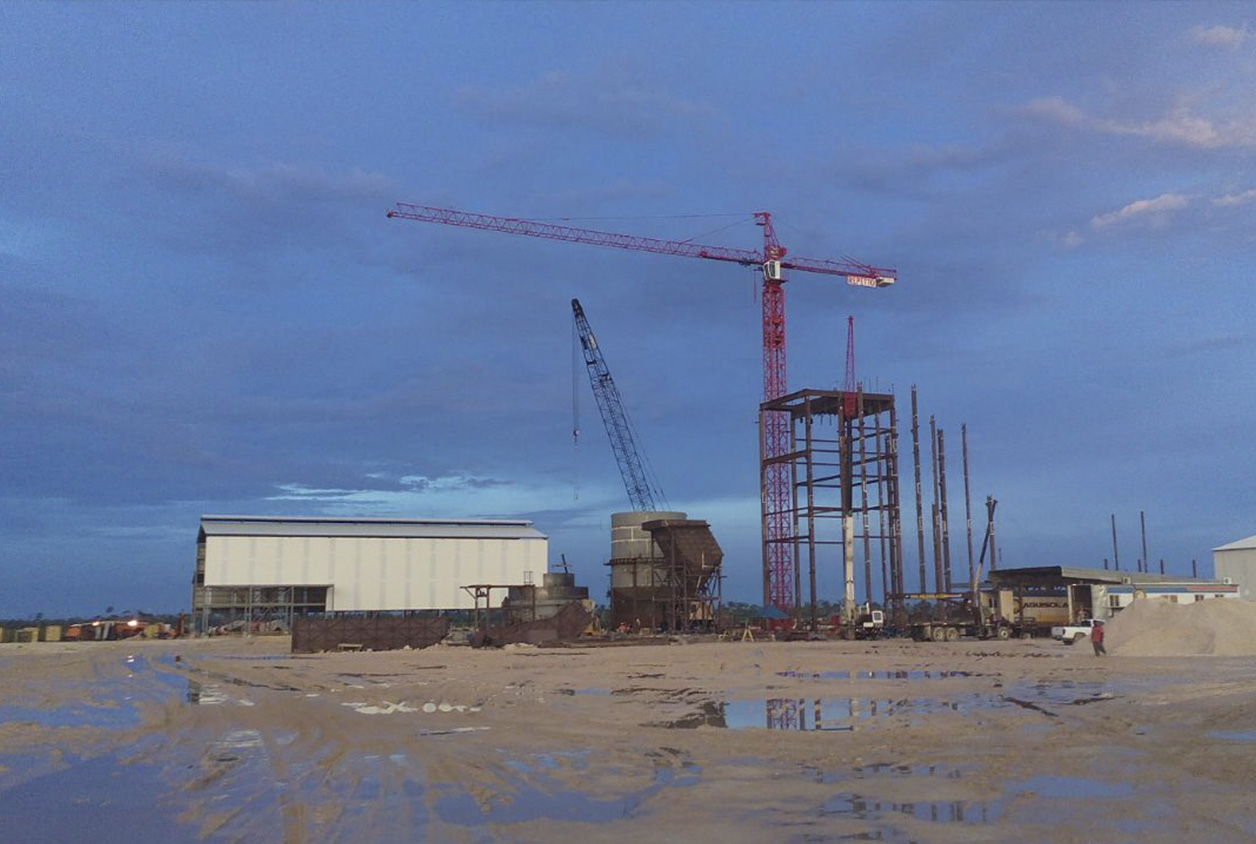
x: 636, y: 569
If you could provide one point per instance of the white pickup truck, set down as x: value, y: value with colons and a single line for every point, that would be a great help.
x: 1071, y: 634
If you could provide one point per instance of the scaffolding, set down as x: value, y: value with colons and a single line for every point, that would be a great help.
x: 842, y: 462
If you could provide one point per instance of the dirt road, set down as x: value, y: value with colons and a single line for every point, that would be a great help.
x: 236, y: 740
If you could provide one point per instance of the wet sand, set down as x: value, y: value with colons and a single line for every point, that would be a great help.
x: 236, y: 740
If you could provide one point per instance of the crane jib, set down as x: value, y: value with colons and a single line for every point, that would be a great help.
x: 595, y: 237
x: 619, y: 430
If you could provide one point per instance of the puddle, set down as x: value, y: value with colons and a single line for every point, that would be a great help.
x: 113, y: 704
x: 875, y: 675
x: 182, y: 669
x: 876, y: 769
x: 538, y: 795
x: 232, y: 780
x: 1232, y: 735
x: 837, y: 714
x: 1071, y: 787
x: 884, y: 815
x: 96, y: 799
x: 949, y: 811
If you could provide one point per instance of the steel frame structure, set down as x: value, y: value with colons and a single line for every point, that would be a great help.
x: 254, y: 608
x: 779, y: 589
x: 841, y: 471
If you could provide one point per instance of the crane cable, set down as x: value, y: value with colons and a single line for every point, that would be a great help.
x: 575, y: 413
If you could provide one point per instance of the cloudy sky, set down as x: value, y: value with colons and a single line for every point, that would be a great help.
x: 203, y: 308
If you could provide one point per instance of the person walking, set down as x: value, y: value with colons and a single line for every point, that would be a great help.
x: 1096, y: 639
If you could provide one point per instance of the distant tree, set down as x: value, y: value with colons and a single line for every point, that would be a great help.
x: 39, y: 617
x: 109, y: 610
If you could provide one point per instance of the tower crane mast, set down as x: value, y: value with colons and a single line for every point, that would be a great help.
x: 614, y: 416
x: 778, y: 552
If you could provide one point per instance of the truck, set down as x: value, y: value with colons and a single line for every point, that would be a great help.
x: 1071, y: 634
x: 868, y: 624
x: 966, y: 621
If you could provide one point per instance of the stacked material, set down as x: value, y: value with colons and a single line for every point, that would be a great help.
x: 1151, y: 627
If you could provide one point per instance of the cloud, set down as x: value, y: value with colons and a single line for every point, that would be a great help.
x: 1156, y: 211
x: 1232, y: 199
x: 1226, y: 37
x: 561, y: 100
x: 1184, y: 128
x: 1179, y: 126
x: 277, y: 183
x: 1055, y: 110
x: 1067, y: 240
x: 453, y: 495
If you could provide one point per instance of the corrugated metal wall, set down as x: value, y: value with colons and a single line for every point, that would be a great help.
x: 1239, y: 565
x: 373, y: 573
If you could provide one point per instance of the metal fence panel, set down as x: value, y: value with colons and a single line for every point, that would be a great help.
x: 381, y: 633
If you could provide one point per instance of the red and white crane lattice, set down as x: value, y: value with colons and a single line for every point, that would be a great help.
x: 778, y: 559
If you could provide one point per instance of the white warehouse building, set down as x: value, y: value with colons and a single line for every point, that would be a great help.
x: 1236, y: 562
x: 269, y: 569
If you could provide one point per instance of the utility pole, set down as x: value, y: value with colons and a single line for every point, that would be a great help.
x: 939, y: 581
x: 1142, y: 526
x: 968, y: 505
x: 1116, y: 558
x: 942, y: 511
x: 920, y: 505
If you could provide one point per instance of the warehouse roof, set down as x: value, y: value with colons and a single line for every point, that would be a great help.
x: 1052, y: 573
x: 371, y: 528
x: 1238, y: 545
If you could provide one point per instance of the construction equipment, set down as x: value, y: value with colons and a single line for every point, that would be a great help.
x: 979, y: 614
x: 864, y: 623
x: 641, y: 492
x: 772, y: 262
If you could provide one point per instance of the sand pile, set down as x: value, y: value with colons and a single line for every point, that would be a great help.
x: 1150, y: 627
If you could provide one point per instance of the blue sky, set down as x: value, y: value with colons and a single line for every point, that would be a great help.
x: 204, y: 310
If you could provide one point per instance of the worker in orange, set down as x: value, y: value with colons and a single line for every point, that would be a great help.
x: 1096, y: 639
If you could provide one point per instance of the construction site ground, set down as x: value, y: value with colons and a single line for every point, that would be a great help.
x: 238, y: 740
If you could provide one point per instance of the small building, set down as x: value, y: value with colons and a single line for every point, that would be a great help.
x: 263, y: 570
x: 1048, y: 595
x: 1237, y: 562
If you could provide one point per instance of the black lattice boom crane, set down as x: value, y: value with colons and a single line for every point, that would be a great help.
x: 618, y: 429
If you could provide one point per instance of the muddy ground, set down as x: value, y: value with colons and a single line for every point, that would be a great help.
x: 236, y: 740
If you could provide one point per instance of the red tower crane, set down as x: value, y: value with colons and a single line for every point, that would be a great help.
x: 778, y: 560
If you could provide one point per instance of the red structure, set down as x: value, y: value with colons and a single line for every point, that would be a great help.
x: 778, y: 563
x: 844, y: 497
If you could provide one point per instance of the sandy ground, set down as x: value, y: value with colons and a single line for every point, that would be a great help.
x: 236, y: 740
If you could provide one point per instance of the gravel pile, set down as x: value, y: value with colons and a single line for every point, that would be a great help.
x: 1151, y: 627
